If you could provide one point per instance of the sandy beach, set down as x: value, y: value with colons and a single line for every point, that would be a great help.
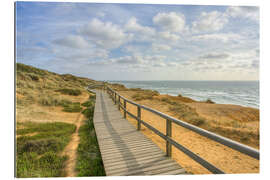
x: 235, y: 122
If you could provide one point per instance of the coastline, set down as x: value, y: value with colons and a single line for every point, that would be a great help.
x: 243, y: 93
x: 232, y: 121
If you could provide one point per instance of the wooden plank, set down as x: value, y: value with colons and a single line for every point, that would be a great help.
x: 148, y: 169
x: 174, y: 172
x: 124, y: 150
x: 139, y: 157
x: 146, y: 164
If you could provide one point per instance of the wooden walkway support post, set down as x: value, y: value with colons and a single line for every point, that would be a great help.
x: 114, y: 97
x: 138, y: 118
x: 168, y: 134
x: 118, y: 102
x: 125, y: 109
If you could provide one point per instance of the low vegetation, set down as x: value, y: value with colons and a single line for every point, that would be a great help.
x: 53, y: 101
x: 37, y: 86
x: 38, y: 147
x: 72, y: 92
x: 39, y: 96
x: 89, y: 162
x: 118, y: 87
x: 186, y: 113
x: 72, y: 107
x: 210, y: 101
x: 144, y: 94
x: 90, y: 102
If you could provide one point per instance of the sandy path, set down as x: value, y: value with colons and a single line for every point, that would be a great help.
x: 71, y: 149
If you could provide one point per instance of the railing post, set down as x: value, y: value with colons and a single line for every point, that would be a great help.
x: 139, y: 118
x: 125, y: 109
x: 114, y: 97
x: 118, y: 102
x: 168, y: 134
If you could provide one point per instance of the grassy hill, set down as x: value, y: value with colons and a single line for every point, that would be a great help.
x: 37, y: 86
x: 50, y: 114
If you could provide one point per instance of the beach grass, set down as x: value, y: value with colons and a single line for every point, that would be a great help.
x: 89, y: 161
x: 38, y: 147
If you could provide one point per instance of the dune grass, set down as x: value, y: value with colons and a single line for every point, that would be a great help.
x: 89, y: 162
x: 51, y: 100
x: 37, y: 86
x: 71, y: 92
x: 73, y: 107
x: 38, y: 155
x: 39, y: 145
x: 144, y: 94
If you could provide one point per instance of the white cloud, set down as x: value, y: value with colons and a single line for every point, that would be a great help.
x: 211, y: 21
x: 172, y: 64
x: 136, y: 61
x: 106, y: 35
x: 166, y: 35
x: 72, y: 41
x: 246, y: 55
x: 128, y: 60
x: 82, y: 55
x: 250, y: 12
x: 133, y: 26
x: 173, y: 22
x: 218, y: 37
x: 215, y: 56
x: 160, y: 47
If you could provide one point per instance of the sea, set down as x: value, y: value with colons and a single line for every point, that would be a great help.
x: 244, y: 93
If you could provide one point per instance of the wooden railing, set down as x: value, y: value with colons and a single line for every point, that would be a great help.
x: 116, y: 97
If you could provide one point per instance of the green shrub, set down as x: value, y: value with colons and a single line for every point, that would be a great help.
x: 34, y: 77
x: 92, y: 97
x: 137, y: 97
x: 53, y: 101
x: 187, y: 114
x: 72, y: 92
x: 74, y: 107
x: 88, y: 112
x: 87, y: 104
x: 39, y: 146
x: 29, y: 69
x: 210, y: 101
x: 167, y: 100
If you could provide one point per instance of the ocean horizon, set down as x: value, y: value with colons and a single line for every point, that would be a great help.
x: 244, y: 93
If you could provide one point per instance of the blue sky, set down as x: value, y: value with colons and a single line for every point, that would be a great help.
x: 140, y: 41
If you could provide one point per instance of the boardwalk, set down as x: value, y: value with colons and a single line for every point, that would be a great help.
x: 124, y: 150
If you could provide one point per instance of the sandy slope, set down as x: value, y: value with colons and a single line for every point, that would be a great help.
x: 221, y: 156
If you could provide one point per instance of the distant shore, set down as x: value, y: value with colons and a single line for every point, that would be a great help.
x: 244, y: 93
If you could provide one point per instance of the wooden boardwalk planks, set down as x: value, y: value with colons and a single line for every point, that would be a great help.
x: 124, y: 150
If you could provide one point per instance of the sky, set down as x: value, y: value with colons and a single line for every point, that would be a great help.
x: 140, y: 41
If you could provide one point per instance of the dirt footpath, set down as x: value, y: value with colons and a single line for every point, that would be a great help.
x: 71, y: 149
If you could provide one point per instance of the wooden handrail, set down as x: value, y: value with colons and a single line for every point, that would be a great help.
x: 167, y: 137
